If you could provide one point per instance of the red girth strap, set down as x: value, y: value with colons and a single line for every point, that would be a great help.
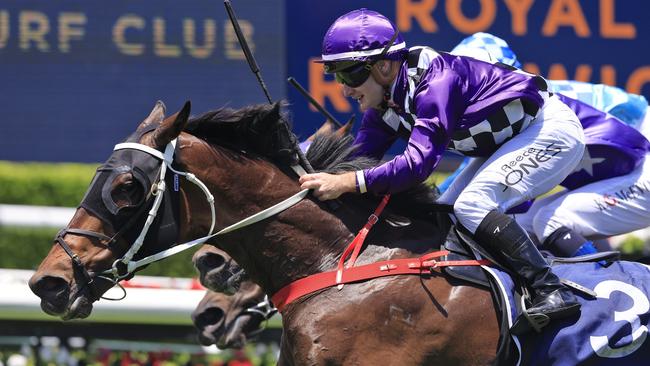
x: 407, y: 266
x: 413, y: 266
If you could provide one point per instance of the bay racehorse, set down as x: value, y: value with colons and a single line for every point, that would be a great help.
x: 243, y: 157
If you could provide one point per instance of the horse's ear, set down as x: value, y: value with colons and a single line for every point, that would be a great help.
x: 273, y: 115
x: 267, y: 120
x: 325, y: 129
x: 346, y: 128
x: 172, y: 126
x: 155, y: 117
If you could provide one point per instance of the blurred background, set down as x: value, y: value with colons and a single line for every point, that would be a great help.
x: 76, y: 76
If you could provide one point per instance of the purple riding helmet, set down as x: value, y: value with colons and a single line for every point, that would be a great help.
x: 357, y: 40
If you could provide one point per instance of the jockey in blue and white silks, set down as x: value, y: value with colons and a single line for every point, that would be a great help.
x: 629, y: 108
x: 438, y: 101
x: 609, y: 192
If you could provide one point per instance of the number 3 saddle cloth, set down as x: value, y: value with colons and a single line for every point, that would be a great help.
x: 612, y: 326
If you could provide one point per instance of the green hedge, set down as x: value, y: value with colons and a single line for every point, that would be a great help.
x: 24, y: 248
x: 44, y: 184
x: 61, y: 184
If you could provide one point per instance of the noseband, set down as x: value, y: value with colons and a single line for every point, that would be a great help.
x: 126, y: 266
x: 77, y: 266
x: 265, y: 309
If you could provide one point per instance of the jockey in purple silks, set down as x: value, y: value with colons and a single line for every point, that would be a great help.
x: 607, y: 194
x: 527, y: 140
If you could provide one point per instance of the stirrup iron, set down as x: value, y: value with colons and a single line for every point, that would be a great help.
x: 527, y: 321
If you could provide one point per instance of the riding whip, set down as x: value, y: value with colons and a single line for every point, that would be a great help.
x: 256, y: 70
x: 313, y: 101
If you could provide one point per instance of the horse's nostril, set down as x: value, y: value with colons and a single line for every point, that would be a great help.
x: 49, y: 287
x: 212, y: 260
x: 210, y: 316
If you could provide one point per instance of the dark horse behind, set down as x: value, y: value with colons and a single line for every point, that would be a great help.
x: 234, y: 309
x: 231, y: 321
x: 218, y: 272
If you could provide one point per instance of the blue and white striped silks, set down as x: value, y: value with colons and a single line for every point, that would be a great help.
x: 629, y: 108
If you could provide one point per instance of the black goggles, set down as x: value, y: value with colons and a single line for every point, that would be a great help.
x: 354, y: 76
x: 357, y: 74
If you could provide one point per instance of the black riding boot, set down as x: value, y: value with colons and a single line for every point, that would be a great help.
x: 551, y: 298
x: 565, y: 242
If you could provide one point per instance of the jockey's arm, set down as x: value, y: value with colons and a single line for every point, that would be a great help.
x: 373, y: 138
x: 439, y: 106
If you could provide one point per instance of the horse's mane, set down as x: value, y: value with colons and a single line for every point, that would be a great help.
x: 261, y: 129
x: 333, y: 154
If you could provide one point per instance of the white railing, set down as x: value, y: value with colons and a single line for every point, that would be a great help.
x: 19, y: 215
x: 142, y: 305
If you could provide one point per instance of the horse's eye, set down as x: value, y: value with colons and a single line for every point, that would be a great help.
x: 127, y: 192
x: 126, y: 186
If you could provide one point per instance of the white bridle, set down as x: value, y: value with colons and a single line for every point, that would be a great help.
x: 158, y: 190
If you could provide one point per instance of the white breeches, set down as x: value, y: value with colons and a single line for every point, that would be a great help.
x: 528, y: 165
